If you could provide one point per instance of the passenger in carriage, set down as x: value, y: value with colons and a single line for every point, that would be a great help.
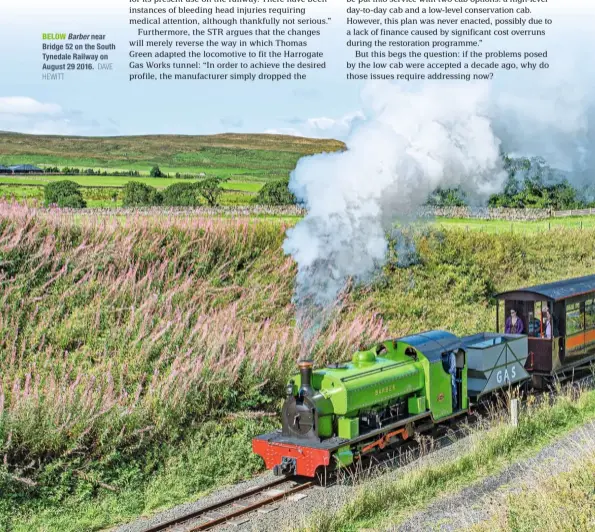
x: 514, y: 324
x: 548, y: 322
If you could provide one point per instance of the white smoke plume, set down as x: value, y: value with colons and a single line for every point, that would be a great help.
x: 554, y: 122
x: 409, y: 144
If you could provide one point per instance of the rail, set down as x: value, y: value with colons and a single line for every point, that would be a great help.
x: 230, y: 508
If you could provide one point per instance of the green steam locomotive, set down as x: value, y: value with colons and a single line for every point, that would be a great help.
x: 336, y: 415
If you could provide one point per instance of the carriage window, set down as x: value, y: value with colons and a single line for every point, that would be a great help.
x: 574, y: 319
x: 590, y: 314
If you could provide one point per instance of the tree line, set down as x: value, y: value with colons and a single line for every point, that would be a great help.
x: 530, y: 184
x: 91, y: 171
x: 67, y: 194
x: 154, y: 172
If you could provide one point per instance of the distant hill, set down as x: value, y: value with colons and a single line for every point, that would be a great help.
x: 150, y: 146
x: 260, y: 157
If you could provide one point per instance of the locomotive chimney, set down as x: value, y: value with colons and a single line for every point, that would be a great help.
x: 306, y: 377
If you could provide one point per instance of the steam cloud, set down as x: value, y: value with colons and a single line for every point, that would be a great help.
x: 409, y: 144
x: 555, y: 123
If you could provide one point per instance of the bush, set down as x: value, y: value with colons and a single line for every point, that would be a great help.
x: 75, y: 201
x: 276, y: 193
x: 182, y: 195
x: 156, y: 172
x: 532, y: 183
x: 210, y: 189
x: 65, y: 194
x: 448, y: 197
x: 140, y: 195
x: 188, y: 176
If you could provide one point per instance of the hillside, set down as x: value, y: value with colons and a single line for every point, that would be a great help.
x: 175, y: 151
x: 135, y: 351
x: 167, y: 144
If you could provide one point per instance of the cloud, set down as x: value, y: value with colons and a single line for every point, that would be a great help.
x: 320, y: 127
x: 26, y: 115
x: 22, y: 105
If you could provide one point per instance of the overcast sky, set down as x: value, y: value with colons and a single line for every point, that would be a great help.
x: 324, y: 105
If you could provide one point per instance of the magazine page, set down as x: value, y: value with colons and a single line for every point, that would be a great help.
x: 297, y: 264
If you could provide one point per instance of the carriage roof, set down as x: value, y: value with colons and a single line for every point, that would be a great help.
x: 553, y: 292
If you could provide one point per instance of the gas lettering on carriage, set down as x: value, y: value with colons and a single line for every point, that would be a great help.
x: 506, y: 375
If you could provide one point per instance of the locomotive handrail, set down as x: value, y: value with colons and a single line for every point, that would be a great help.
x: 375, y: 370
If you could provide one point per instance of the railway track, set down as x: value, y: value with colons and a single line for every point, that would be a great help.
x: 234, y: 508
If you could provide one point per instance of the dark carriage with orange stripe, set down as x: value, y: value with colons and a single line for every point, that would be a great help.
x: 559, y: 319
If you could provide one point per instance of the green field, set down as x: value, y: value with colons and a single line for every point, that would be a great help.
x: 247, y: 161
x: 109, y: 192
x: 505, y: 226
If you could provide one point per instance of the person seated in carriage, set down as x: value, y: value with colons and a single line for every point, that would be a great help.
x: 514, y: 324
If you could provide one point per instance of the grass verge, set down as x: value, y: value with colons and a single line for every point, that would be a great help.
x: 383, y: 502
x: 565, y: 503
x: 215, y: 454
